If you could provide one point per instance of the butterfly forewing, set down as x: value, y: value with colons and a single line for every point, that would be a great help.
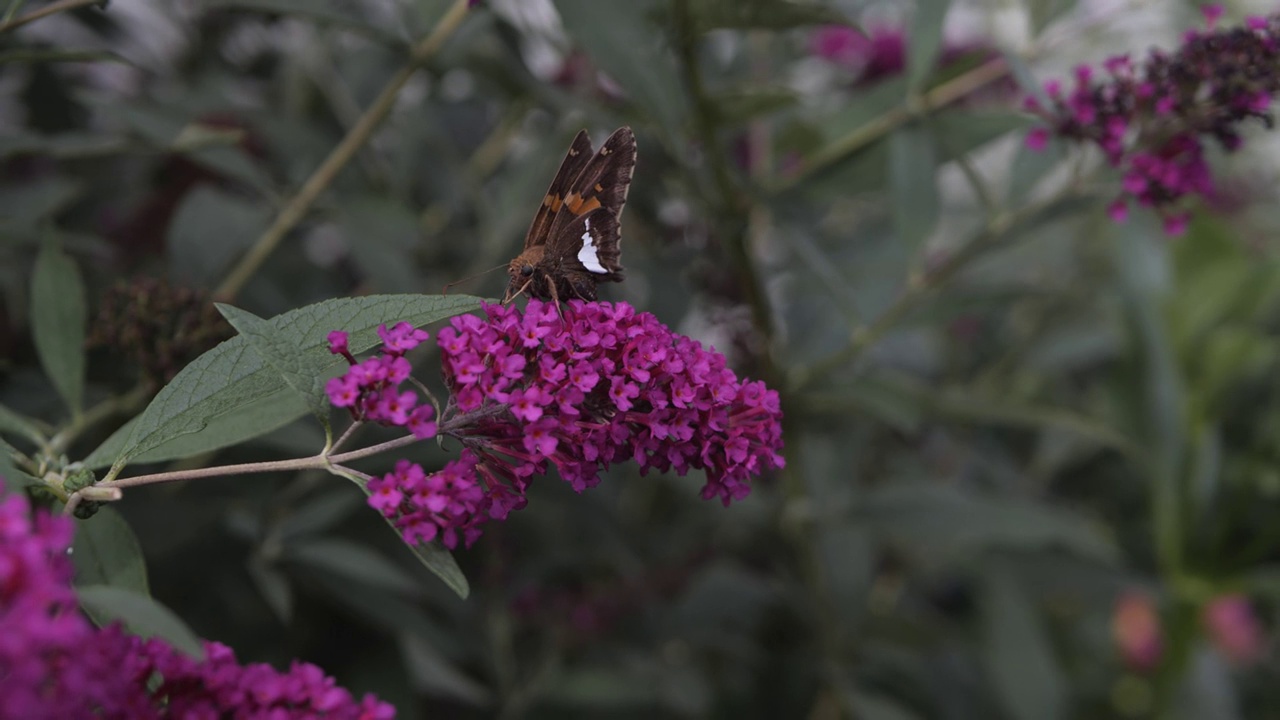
x: 578, y: 157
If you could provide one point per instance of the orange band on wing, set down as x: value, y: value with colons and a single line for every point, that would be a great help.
x: 577, y: 205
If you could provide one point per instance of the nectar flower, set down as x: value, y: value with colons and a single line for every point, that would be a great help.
x: 602, y: 385
x: 370, y: 388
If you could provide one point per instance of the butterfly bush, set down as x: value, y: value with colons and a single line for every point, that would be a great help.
x: 530, y: 390
x: 54, y: 664
x: 1153, y: 118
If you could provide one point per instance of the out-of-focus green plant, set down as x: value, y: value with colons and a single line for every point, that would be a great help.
x: 1029, y: 450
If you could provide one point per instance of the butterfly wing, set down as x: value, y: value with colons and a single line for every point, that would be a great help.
x: 586, y: 229
x: 578, y: 158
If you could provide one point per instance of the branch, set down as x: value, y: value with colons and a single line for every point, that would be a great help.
x: 356, y: 137
x: 51, y: 9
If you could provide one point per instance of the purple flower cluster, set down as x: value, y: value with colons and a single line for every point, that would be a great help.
x: 218, y: 686
x: 49, y: 665
x: 55, y: 665
x: 371, y: 389
x: 880, y: 53
x: 1151, y: 119
x: 602, y: 385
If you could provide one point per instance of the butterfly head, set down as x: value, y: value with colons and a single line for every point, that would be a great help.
x: 520, y: 272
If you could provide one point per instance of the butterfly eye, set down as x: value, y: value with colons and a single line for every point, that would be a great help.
x: 527, y: 270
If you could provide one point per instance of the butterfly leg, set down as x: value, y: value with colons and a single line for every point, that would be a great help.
x: 555, y: 296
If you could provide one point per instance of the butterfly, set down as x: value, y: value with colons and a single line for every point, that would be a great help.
x: 573, y: 242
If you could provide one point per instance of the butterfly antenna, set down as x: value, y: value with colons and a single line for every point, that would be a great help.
x: 473, y: 277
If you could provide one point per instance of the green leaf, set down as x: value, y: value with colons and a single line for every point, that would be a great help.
x: 624, y: 42
x: 232, y: 376
x: 745, y: 104
x: 210, y: 230
x: 12, y: 422
x: 256, y: 417
x: 106, y: 552
x: 140, y: 614
x: 274, y: 588
x: 13, y: 479
x: 58, y: 317
x: 436, y: 559
x: 762, y: 14
x: 24, y: 205
x: 1045, y: 11
x: 924, y: 41
x: 944, y: 520
x: 913, y: 164
x: 355, y: 563
x: 304, y: 373
x: 1017, y: 654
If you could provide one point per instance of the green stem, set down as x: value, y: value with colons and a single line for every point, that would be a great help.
x: 919, y: 289
x: 51, y: 9
x: 860, y: 137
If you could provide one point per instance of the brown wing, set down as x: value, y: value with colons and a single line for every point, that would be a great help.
x: 600, y: 189
x: 578, y: 157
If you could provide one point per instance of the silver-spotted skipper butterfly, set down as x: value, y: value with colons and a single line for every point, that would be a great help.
x: 573, y: 241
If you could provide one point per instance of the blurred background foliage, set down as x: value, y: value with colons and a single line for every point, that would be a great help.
x: 1033, y: 455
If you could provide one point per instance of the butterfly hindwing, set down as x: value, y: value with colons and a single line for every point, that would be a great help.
x: 600, y: 190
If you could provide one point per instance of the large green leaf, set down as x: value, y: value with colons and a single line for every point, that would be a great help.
x: 106, y: 552
x: 58, y: 318
x: 924, y: 41
x: 232, y: 376
x: 255, y: 417
x: 140, y: 614
x: 304, y: 373
x: 913, y: 165
x: 1017, y: 654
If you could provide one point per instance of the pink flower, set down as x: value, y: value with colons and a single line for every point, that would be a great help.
x: 613, y: 374
x: 1135, y: 629
x: 1154, y: 118
x: 54, y: 664
x: 602, y: 385
x: 1234, y: 629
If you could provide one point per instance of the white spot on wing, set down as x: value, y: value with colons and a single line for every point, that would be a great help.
x: 587, y: 255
